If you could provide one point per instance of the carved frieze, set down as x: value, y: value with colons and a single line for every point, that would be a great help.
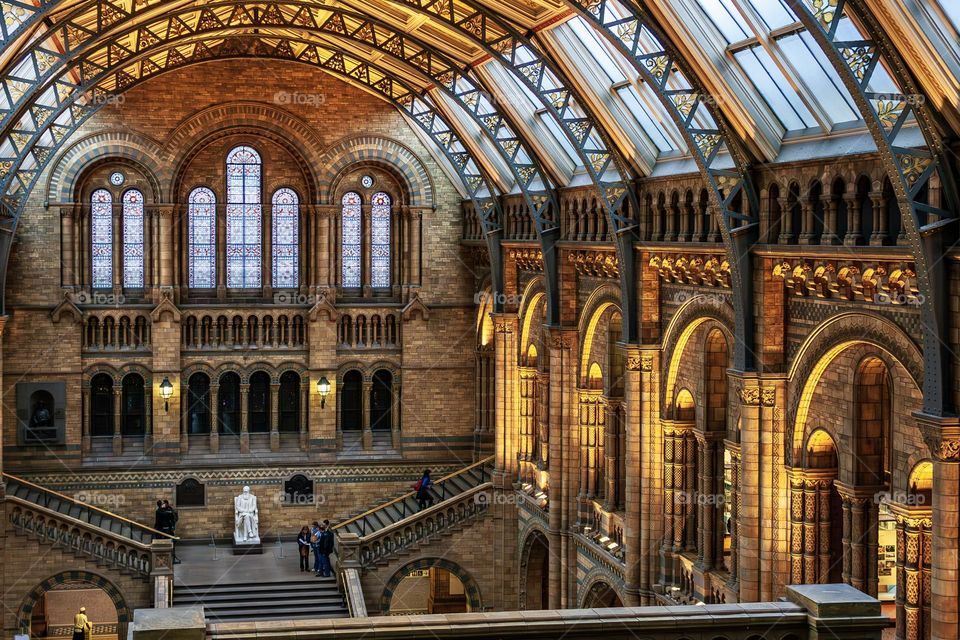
x: 528, y: 259
x: 695, y: 269
x: 599, y: 264
x: 875, y: 282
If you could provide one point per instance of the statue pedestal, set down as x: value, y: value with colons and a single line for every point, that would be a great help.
x: 245, y: 547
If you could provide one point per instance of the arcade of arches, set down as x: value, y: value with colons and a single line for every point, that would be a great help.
x: 697, y: 304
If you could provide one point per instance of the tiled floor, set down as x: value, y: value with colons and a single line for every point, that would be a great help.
x: 202, y: 564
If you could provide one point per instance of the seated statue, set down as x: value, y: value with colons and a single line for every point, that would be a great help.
x: 246, y: 518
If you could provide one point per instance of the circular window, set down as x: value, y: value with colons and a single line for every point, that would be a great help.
x: 116, y: 178
x: 366, y: 182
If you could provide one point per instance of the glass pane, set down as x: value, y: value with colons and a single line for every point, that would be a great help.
x: 725, y: 17
x: 350, y: 240
x: 286, y: 220
x: 641, y: 112
x: 133, y: 239
x: 101, y: 231
x: 380, y: 239
x: 773, y: 13
x: 951, y: 9
x: 243, y: 219
x: 811, y: 65
x: 202, y: 222
x: 773, y: 86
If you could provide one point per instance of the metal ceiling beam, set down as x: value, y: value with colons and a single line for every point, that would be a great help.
x: 929, y: 229
x: 68, y: 116
x: 708, y: 137
x: 475, y: 98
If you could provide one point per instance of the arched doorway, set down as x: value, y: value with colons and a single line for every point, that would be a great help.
x: 101, y: 405
x: 48, y: 610
x: 228, y: 411
x: 535, y: 573
x: 289, y: 409
x: 258, y: 403
x: 430, y: 585
x: 601, y: 595
x: 351, y: 401
x: 133, y: 418
x: 198, y: 404
x: 381, y: 401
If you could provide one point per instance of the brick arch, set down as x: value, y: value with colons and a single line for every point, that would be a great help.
x: 231, y: 118
x: 828, y: 341
x: 134, y: 148
x: 533, y: 295
x: 470, y: 586
x: 695, y: 311
x: 601, y: 299
x: 124, y: 613
x: 596, y: 577
x: 378, y: 151
x: 533, y: 535
x: 92, y: 371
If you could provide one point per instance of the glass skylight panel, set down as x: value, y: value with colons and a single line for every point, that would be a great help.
x: 773, y: 13
x: 951, y: 9
x: 725, y: 17
x: 641, y: 112
x: 596, y: 48
x: 775, y: 89
x: 812, y: 66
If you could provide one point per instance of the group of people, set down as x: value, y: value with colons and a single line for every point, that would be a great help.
x: 165, y: 518
x: 319, y: 539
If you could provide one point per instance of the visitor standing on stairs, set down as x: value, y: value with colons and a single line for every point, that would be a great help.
x: 315, y: 546
x: 303, y: 548
x: 424, y: 496
x: 326, y: 548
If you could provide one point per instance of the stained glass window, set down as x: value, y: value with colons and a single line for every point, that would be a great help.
x: 350, y: 240
x: 116, y: 178
x: 380, y: 239
x: 286, y: 218
x: 243, y: 218
x: 101, y: 231
x: 133, y: 239
x: 202, y: 222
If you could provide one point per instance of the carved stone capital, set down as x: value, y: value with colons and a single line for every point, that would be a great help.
x: 942, y: 436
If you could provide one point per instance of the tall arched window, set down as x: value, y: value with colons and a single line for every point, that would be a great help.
x: 243, y: 218
x: 286, y: 227
x: 133, y: 239
x: 350, y: 240
x: 101, y: 238
x: 101, y: 405
x: 380, y: 240
x: 202, y: 222
x: 133, y: 406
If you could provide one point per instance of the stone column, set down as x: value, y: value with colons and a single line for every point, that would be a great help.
x: 643, y: 520
x: 117, y: 267
x: 304, y: 411
x: 942, y: 436
x: 68, y: 273
x: 611, y: 454
x: 914, y: 540
x: 879, y: 234
x: 854, y: 225
x: 806, y: 233
x: 117, y: 419
x: 85, y: 417
x: 395, y: 409
x: 505, y: 373
x: 527, y: 381
x: 185, y: 421
x: 214, y: 417
x: 165, y: 245
x: 734, y: 449
x: 829, y: 219
x: 274, y: 417
x: 748, y: 395
x: 367, y: 434
x: 244, y: 418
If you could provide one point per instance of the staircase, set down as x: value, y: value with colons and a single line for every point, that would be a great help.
x: 84, y: 530
x: 398, y: 527
x: 307, y: 597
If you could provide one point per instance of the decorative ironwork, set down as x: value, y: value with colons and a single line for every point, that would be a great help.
x: 867, y: 67
x: 637, y: 37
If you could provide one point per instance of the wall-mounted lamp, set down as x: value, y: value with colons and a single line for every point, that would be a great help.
x: 323, y: 388
x: 166, y: 392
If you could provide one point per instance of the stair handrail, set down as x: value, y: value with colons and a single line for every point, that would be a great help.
x: 409, y: 494
x: 432, y: 509
x: 85, y: 505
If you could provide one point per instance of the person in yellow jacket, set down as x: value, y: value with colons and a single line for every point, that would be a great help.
x: 82, y: 627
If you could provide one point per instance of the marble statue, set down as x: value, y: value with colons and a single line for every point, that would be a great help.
x: 246, y: 518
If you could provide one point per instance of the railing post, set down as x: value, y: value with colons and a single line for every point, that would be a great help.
x: 161, y: 572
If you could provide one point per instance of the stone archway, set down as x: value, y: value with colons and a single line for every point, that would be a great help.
x: 601, y: 595
x: 534, y: 573
x: 470, y: 586
x: 95, y: 580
